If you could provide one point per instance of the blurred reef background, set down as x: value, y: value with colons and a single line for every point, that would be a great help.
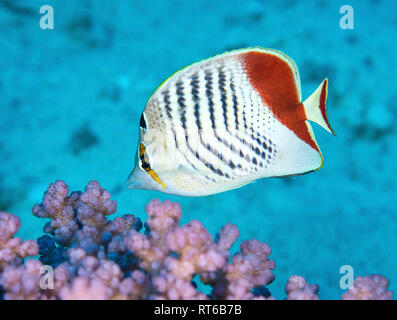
x: 71, y: 99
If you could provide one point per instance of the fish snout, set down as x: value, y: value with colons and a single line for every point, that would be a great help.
x: 139, y: 179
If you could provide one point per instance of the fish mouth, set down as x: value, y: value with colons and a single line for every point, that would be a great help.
x: 132, y: 181
x: 139, y: 179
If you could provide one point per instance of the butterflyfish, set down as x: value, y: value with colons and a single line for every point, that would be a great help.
x: 224, y: 122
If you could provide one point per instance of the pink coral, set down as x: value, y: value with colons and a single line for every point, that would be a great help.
x: 249, y: 269
x: 88, y: 256
x: 298, y: 289
x: 169, y: 286
x: 27, y: 282
x: 21, y: 283
x: 85, y: 289
x: 12, y: 249
x: 61, y: 209
x: 79, y: 219
x: 195, y: 251
x: 151, y: 249
x: 98, y: 279
x: 163, y: 216
x: 373, y: 287
x: 174, y: 254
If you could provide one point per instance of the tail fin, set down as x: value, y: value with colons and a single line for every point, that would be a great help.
x: 315, y: 107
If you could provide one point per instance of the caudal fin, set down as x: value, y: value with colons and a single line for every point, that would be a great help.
x: 315, y: 107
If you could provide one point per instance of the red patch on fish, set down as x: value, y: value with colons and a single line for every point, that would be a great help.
x: 273, y: 78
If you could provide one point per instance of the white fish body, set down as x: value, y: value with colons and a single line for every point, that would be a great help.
x: 226, y: 121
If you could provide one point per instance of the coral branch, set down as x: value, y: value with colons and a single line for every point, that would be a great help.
x: 84, y: 255
x: 12, y: 250
x: 372, y: 287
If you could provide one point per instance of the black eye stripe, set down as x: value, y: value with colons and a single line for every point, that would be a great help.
x: 146, y: 166
x: 144, y: 162
x: 142, y: 122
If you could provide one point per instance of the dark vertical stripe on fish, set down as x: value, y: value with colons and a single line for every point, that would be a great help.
x: 235, y: 104
x: 195, y: 84
x: 166, y: 95
x: 210, y: 95
x: 181, y: 103
x: 166, y: 100
x: 222, y: 84
x: 182, y: 106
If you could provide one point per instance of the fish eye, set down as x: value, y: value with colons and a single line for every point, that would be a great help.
x: 142, y: 122
x: 145, y: 165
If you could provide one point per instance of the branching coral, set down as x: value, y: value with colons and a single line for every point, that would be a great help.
x: 22, y: 282
x: 84, y: 255
x: 12, y: 250
x: 373, y: 287
x: 249, y: 269
x: 298, y: 289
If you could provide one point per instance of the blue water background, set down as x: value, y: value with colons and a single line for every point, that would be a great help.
x: 71, y: 98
